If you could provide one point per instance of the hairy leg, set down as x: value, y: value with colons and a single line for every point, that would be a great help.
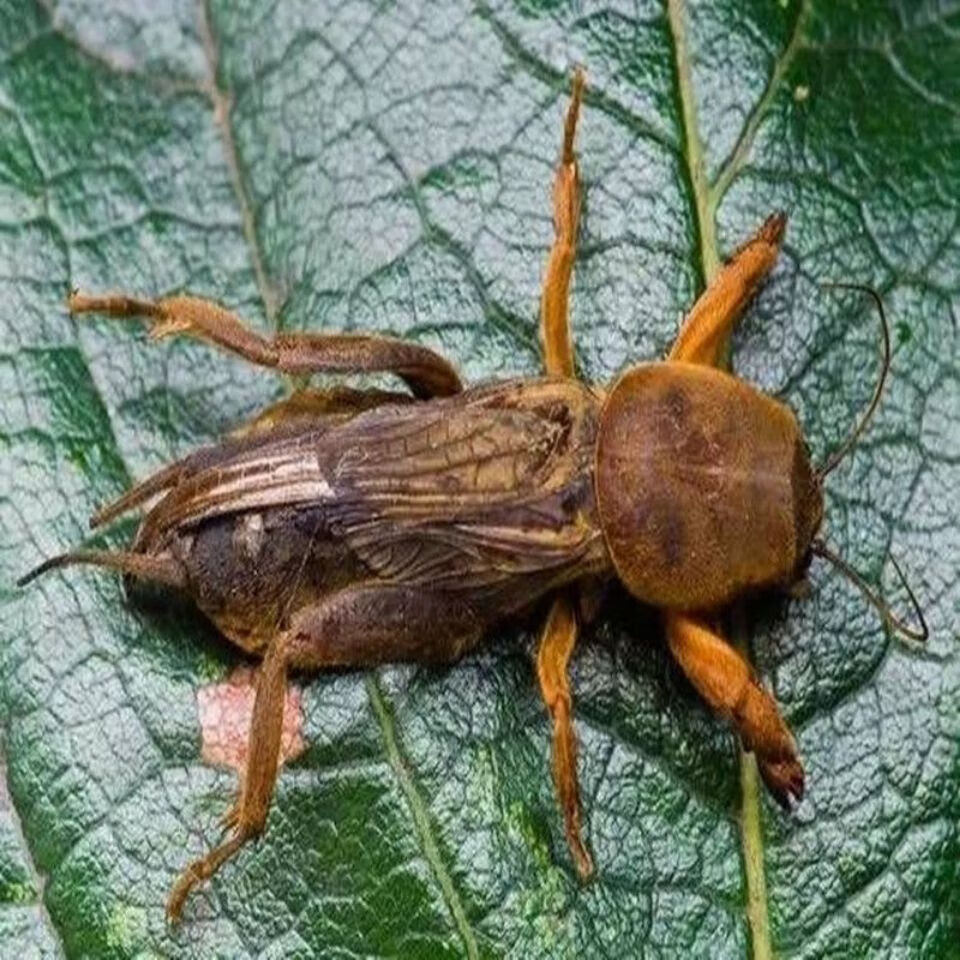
x: 427, y: 373
x: 721, y: 675
x: 248, y: 818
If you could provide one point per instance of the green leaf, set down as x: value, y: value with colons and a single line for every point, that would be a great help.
x: 384, y: 167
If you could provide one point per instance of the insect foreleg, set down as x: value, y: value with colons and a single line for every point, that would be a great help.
x: 718, y: 672
x: 703, y: 336
x: 427, y: 373
x: 724, y: 679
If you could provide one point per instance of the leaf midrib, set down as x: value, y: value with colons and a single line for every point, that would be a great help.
x: 222, y: 102
x: 707, y: 196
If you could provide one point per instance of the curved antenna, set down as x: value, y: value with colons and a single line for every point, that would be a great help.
x: 894, y: 622
x: 850, y: 442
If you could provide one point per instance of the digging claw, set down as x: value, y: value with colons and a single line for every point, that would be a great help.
x: 784, y: 779
x: 230, y: 819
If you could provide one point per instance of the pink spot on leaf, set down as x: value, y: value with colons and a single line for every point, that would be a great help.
x: 225, y: 713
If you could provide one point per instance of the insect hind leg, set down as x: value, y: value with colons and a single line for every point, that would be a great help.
x: 427, y: 373
x: 249, y: 817
x: 360, y: 625
x: 310, y: 407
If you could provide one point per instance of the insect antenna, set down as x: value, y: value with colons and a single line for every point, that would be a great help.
x: 162, y: 569
x: 851, y: 440
x: 895, y: 623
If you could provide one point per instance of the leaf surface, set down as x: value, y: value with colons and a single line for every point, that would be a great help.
x: 387, y: 168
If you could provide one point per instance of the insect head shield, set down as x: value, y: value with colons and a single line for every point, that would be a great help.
x: 817, y: 546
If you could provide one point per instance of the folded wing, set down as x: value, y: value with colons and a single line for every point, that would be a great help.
x: 486, y: 484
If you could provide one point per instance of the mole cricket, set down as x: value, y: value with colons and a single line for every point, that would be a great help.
x: 348, y: 528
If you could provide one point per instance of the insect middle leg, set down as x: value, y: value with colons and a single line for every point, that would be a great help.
x: 560, y: 630
x: 555, y: 295
x: 427, y: 373
x: 553, y: 659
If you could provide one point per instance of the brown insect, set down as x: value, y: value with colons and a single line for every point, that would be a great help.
x: 346, y: 528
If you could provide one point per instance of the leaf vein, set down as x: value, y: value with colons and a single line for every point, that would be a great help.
x: 420, y: 816
x: 744, y: 144
x: 37, y: 877
x: 222, y: 101
x: 705, y: 210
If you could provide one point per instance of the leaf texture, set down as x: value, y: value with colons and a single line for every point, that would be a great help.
x: 386, y: 167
